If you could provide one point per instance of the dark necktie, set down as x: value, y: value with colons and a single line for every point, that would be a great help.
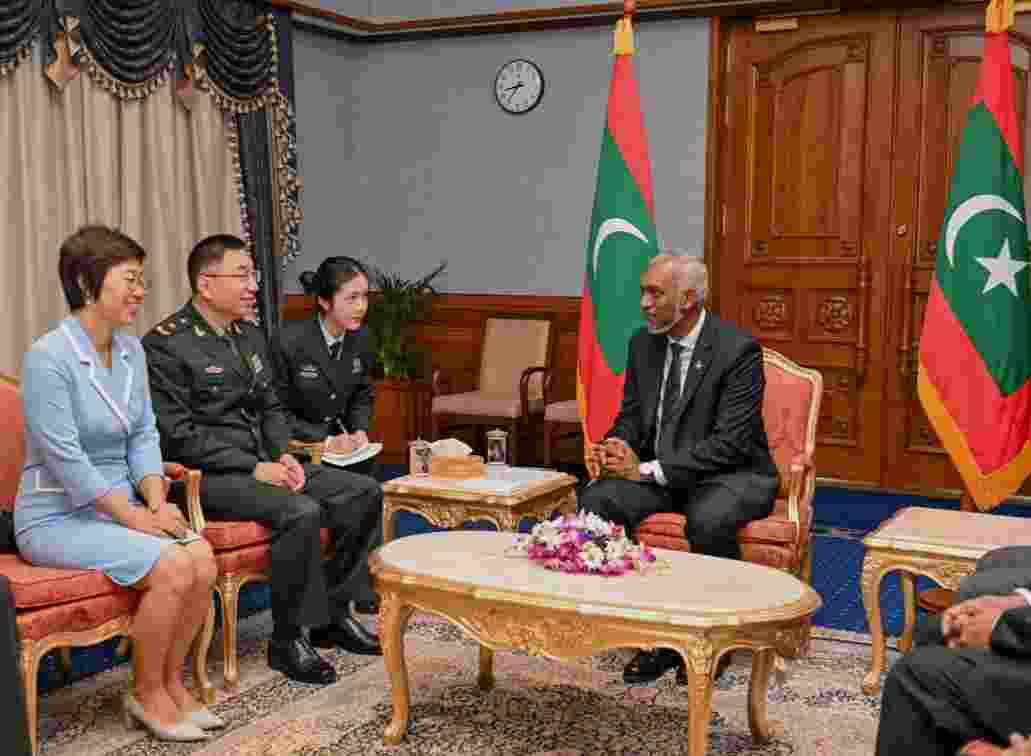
x: 671, y: 394
x: 336, y: 349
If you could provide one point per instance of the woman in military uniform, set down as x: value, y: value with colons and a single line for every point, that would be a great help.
x: 325, y: 361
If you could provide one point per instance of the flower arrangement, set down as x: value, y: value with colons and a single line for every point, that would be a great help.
x: 584, y: 543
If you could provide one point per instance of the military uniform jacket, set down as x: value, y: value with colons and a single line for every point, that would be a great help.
x: 325, y: 396
x: 217, y: 410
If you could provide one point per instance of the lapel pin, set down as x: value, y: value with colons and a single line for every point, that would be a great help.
x: 698, y: 365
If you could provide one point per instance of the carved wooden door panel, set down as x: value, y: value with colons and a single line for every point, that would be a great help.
x: 805, y: 193
x: 939, y: 56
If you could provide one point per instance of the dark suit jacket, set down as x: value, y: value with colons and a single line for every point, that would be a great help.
x: 1011, y: 635
x: 325, y: 396
x: 216, y: 410
x: 718, y: 435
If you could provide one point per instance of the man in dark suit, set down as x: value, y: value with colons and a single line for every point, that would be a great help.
x: 214, y: 391
x: 969, y: 677
x: 689, y: 436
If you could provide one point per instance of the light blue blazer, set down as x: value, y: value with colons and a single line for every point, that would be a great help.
x: 90, y: 430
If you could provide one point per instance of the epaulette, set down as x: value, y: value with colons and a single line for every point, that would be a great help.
x: 168, y: 326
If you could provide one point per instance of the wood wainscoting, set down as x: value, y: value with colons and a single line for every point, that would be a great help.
x: 452, y: 339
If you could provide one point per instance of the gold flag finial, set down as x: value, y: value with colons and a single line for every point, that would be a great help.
x: 999, y: 15
x: 624, y: 42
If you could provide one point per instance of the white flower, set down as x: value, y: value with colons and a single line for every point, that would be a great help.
x: 596, y: 525
x: 592, y: 555
x: 617, y: 548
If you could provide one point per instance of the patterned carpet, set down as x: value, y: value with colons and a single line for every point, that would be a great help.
x: 538, y: 707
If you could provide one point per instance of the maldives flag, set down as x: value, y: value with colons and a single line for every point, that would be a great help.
x: 975, y: 350
x: 620, y: 243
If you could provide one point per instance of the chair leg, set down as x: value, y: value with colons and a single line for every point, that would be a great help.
x: 29, y: 671
x: 228, y: 587
x: 513, y: 444
x: 549, y: 428
x: 201, y: 644
x: 64, y: 655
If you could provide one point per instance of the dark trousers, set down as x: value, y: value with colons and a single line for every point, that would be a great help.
x: 713, y: 512
x: 304, y: 591
x: 937, y: 698
x: 12, y: 692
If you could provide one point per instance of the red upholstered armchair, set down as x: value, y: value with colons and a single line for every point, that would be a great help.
x: 791, y: 407
x: 57, y: 608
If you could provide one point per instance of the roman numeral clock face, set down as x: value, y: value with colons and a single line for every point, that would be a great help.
x: 518, y: 86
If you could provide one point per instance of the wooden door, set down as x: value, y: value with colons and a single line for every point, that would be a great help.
x: 939, y: 57
x: 805, y: 189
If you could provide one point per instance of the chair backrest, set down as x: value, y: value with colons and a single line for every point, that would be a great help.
x: 510, y: 346
x: 791, y: 409
x: 12, y: 441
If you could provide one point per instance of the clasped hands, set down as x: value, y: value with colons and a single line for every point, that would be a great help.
x: 345, y: 443
x: 969, y: 624
x: 612, y: 458
x: 286, y: 473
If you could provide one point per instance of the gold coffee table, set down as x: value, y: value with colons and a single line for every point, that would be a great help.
x: 504, y: 497
x: 941, y: 544
x: 702, y: 607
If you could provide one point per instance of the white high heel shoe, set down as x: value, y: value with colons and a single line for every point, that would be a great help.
x: 183, y: 732
x: 206, y: 719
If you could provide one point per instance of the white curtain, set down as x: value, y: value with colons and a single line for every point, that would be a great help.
x: 160, y: 173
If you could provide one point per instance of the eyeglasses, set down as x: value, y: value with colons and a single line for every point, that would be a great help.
x: 137, y: 281
x: 253, y: 275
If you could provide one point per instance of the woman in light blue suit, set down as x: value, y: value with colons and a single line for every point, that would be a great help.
x: 92, y: 493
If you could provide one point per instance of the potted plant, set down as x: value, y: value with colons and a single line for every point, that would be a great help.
x: 397, y: 303
x: 402, y: 403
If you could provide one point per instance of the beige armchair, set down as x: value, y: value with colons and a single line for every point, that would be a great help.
x: 511, y: 384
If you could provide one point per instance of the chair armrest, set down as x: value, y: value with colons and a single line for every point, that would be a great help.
x: 524, y: 386
x: 311, y: 449
x: 798, y: 483
x: 175, y: 471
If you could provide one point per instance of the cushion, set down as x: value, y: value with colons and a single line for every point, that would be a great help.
x: 255, y: 557
x: 785, y: 415
x: 33, y: 587
x: 483, y: 405
x: 981, y: 748
x: 76, y: 616
x: 234, y: 534
x: 563, y: 412
x: 509, y: 347
x: 12, y: 442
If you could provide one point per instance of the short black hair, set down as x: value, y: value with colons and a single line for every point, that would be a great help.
x: 86, y: 257
x: 333, y: 273
x: 210, y: 251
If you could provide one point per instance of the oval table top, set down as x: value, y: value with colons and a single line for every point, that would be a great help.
x: 696, y: 590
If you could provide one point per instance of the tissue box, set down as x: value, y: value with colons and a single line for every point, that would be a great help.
x: 457, y: 468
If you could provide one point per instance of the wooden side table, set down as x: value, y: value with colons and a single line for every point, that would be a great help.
x: 504, y: 498
x: 941, y: 544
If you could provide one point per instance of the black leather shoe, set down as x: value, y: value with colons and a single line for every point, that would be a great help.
x: 350, y: 635
x: 299, y: 661
x: 366, y: 607
x: 649, y: 666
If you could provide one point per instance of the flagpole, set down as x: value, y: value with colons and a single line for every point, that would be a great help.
x: 624, y: 38
x: 998, y: 16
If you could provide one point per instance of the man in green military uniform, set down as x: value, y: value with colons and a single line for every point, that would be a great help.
x: 213, y: 386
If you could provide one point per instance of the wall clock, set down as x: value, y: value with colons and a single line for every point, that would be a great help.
x: 518, y: 86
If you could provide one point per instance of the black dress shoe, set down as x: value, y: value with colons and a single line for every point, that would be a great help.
x: 299, y: 661
x: 367, y: 607
x: 350, y: 635
x: 649, y: 666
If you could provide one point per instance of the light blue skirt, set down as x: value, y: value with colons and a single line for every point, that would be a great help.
x: 90, y: 540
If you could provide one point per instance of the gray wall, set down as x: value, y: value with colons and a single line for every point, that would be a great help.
x: 407, y: 160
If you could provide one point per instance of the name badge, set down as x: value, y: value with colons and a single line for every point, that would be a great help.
x: 356, y: 365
